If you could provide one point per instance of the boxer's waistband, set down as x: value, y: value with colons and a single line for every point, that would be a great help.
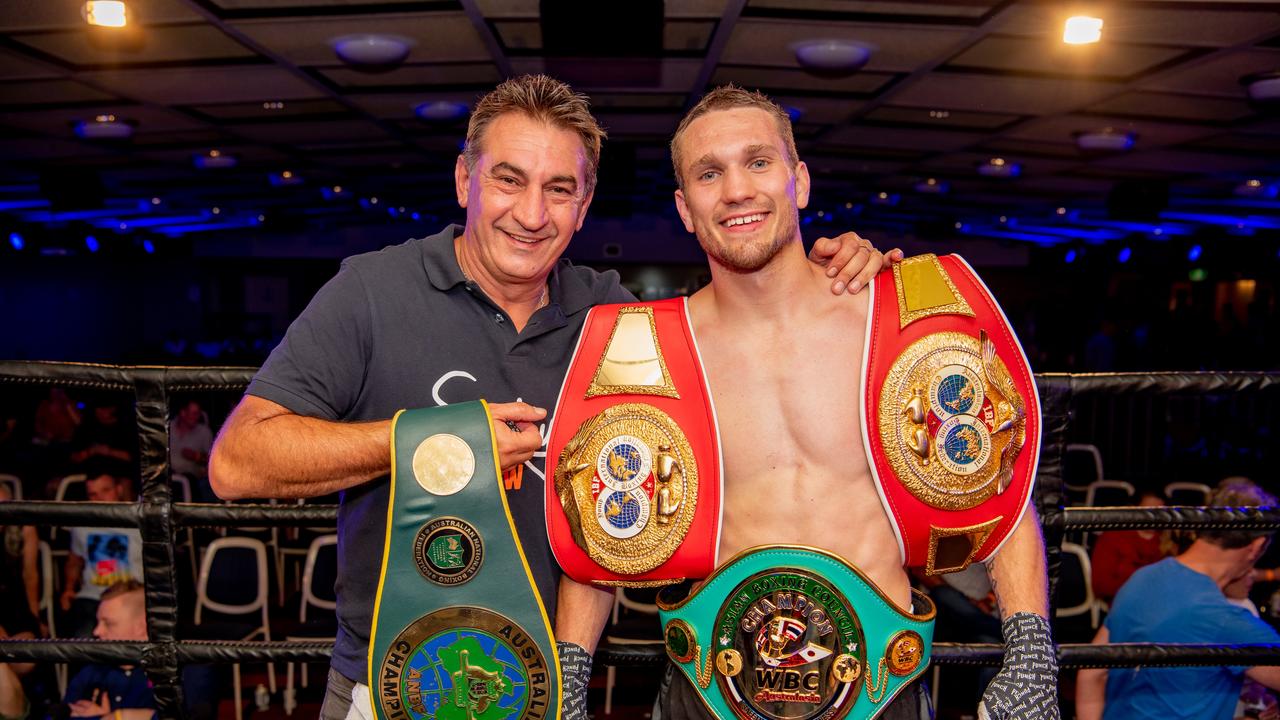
x: 795, y: 633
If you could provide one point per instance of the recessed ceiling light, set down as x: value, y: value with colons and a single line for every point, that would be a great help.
x: 931, y: 186
x: 999, y: 167
x: 441, y: 111
x: 106, y: 13
x: 1107, y: 139
x: 940, y: 114
x: 104, y: 127
x: 214, y: 159
x: 372, y: 52
x: 1082, y: 30
x: 1255, y: 188
x: 1263, y: 87
x: 273, y: 105
x: 832, y: 54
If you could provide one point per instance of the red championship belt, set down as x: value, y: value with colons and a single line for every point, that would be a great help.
x: 951, y: 418
x: 633, y: 456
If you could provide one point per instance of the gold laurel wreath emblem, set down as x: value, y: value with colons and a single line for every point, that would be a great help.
x: 575, y: 472
x: 912, y: 449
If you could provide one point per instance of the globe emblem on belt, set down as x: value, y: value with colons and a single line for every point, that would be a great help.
x: 965, y: 444
x: 622, y: 514
x: 956, y: 393
x: 624, y: 463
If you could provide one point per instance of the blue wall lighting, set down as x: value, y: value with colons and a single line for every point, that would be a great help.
x: 91, y: 242
x: 1125, y: 254
x: 1194, y: 253
x: 16, y: 241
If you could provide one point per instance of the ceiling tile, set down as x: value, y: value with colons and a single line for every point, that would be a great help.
x: 1182, y: 161
x: 49, y: 92
x: 1037, y: 55
x: 198, y: 85
x: 778, y: 79
x: 940, y: 117
x: 439, y: 36
x: 1217, y: 75
x: 901, y: 48
x: 959, y: 9
x: 480, y: 74
x: 311, y: 132
x: 159, y: 44
x: 62, y: 121
x: 1062, y: 128
x: 1193, y: 108
x: 21, y: 15
x: 1026, y: 96
x: 885, y: 137
x: 14, y: 66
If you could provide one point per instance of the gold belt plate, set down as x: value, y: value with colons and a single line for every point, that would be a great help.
x: 628, y: 483
x: 951, y: 420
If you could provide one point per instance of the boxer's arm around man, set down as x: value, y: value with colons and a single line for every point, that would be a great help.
x: 1027, y: 686
x: 266, y: 451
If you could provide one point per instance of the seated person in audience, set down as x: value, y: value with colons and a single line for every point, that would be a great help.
x: 19, y: 577
x: 13, y: 701
x: 1181, y: 600
x: 1118, y: 553
x: 968, y: 613
x: 99, y: 557
x: 104, y: 434
x: 190, y: 441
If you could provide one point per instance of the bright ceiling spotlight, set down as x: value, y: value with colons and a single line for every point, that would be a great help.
x: 832, y: 55
x: 104, y: 127
x: 106, y: 13
x: 1082, y: 30
x: 372, y: 52
x: 441, y: 111
x: 1106, y: 140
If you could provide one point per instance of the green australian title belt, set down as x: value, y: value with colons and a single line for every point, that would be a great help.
x: 795, y: 633
x: 459, y: 631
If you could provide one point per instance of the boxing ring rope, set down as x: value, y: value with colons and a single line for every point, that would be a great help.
x: 158, y: 519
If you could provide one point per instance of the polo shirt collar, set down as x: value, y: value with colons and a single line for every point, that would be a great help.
x: 566, y: 287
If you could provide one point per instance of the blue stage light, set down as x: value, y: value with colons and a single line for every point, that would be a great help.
x: 16, y: 241
x: 91, y: 242
x: 1125, y: 254
x: 148, y: 246
x: 1070, y: 257
x: 1193, y: 254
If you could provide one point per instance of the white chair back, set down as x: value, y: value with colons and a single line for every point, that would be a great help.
x: 1083, y: 455
x: 1108, y: 488
x: 1088, y: 603
x: 1187, y: 493
x: 259, y: 602
x: 14, y: 483
x: 308, y: 576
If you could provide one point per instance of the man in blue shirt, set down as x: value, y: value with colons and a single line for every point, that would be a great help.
x: 1180, y: 600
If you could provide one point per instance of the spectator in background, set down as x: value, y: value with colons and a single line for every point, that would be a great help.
x: 19, y: 576
x: 1181, y: 600
x: 56, y: 419
x: 103, y: 690
x: 1118, y: 553
x: 104, y: 435
x: 99, y: 557
x: 190, y: 441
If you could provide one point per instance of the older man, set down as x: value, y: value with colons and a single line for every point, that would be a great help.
x: 488, y: 310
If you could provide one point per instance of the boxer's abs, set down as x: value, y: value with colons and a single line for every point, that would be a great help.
x: 795, y: 468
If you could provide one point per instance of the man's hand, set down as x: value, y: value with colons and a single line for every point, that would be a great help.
x: 1027, y: 686
x: 518, y: 437
x: 850, y: 260
x: 64, y: 600
x: 575, y: 675
x: 92, y: 708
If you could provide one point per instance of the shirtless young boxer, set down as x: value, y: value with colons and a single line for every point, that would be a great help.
x: 783, y: 360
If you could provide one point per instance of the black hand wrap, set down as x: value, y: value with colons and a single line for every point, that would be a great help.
x: 575, y: 675
x: 1027, y: 686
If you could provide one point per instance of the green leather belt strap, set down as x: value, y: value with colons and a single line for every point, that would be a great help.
x: 459, y: 630
x: 795, y: 633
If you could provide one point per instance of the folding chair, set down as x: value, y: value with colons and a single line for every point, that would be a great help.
x: 224, y: 588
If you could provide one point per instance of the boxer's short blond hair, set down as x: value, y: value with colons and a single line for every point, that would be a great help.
x: 542, y: 98
x: 729, y: 97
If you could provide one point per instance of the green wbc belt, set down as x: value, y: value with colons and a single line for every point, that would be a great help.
x: 795, y: 633
x: 459, y: 630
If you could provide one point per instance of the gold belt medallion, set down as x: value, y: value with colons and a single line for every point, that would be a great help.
x: 628, y: 483
x: 951, y: 420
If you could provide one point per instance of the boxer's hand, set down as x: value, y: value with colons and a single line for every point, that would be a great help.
x: 850, y: 260
x: 1027, y: 686
x: 518, y: 437
x: 575, y: 675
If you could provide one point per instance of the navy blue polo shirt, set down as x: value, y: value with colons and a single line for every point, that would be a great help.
x: 402, y: 328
